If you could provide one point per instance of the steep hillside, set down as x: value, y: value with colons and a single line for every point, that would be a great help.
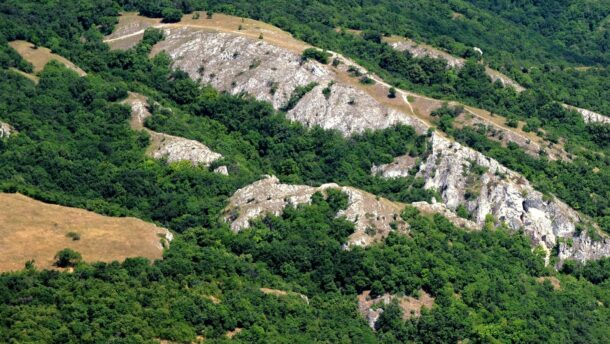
x: 466, y: 177
x: 240, y: 64
x: 35, y: 231
x: 420, y: 50
x: 271, y: 69
x: 310, y: 197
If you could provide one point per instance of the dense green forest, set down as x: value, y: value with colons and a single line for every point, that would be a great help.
x: 75, y: 147
x: 483, y: 283
x: 580, y: 26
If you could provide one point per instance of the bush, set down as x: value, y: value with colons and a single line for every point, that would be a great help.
x: 73, y: 235
x: 152, y: 36
x: 365, y: 80
x: 171, y: 15
x: 512, y: 122
x: 316, y: 54
x: 67, y: 257
x: 462, y: 212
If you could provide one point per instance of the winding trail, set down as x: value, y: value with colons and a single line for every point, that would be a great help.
x: 347, y: 61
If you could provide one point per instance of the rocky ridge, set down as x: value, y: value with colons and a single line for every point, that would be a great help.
x: 164, y: 146
x: 374, y: 217
x: 466, y: 177
x: 271, y: 69
x: 237, y: 64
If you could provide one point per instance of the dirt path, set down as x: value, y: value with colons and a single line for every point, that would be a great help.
x: 285, y: 40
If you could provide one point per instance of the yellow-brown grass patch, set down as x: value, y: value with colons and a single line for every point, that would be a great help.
x: 33, y: 230
x: 32, y: 77
x: 552, y: 279
x: 412, y: 307
x: 131, y: 26
x: 40, y: 56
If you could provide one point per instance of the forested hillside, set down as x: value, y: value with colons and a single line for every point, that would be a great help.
x: 290, y: 277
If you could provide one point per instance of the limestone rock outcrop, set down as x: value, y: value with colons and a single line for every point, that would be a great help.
x: 164, y: 146
x: 442, y: 209
x: 373, y: 217
x: 398, y: 168
x: 370, y: 308
x: 174, y: 149
x: 422, y: 50
x: 238, y: 64
x: 464, y: 176
x: 5, y: 130
x: 590, y: 116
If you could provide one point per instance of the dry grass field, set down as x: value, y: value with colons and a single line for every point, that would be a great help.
x: 131, y: 26
x: 40, y: 56
x: 33, y: 230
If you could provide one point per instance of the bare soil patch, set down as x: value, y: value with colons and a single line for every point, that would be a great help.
x: 33, y: 230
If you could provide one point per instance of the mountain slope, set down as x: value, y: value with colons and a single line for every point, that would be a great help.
x: 240, y: 64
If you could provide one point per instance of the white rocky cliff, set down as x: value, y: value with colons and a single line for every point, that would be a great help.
x: 464, y: 176
x: 590, y: 116
x: 164, y: 146
x: 271, y: 72
x: 238, y: 64
x: 374, y: 217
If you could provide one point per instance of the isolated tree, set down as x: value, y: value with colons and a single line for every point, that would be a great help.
x: 67, y: 257
x: 392, y: 92
x: 171, y: 15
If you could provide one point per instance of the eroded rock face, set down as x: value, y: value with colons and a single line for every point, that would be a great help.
x: 238, y: 64
x: 464, y: 176
x: 372, y: 216
x: 590, y: 116
x: 398, y: 168
x: 349, y: 110
x: 164, y: 146
x: 5, y: 130
x: 441, y: 208
x: 584, y: 248
x: 370, y: 308
x: 422, y: 50
x: 174, y: 149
